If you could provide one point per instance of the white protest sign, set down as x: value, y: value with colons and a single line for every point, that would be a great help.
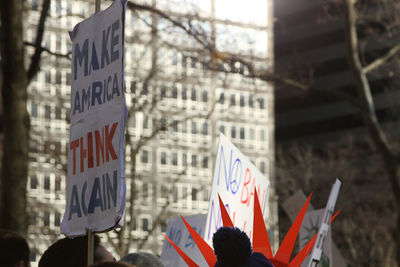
x: 235, y: 178
x: 316, y: 253
x: 178, y: 233
x: 96, y: 178
x: 310, y: 226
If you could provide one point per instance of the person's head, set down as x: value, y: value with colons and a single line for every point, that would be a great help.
x: 142, y: 259
x: 14, y: 250
x: 232, y: 247
x: 111, y: 264
x: 68, y: 252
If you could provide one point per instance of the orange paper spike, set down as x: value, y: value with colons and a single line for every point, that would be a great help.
x: 333, y: 217
x: 226, y: 220
x: 285, y: 250
x: 260, y: 235
x: 297, y: 261
x: 204, y: 248
x: 185, y: 257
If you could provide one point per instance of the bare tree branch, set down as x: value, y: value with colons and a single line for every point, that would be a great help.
x: 382, y: 60
x: 35, y: 58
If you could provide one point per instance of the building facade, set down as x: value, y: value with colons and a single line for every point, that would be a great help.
x: 177, y: 108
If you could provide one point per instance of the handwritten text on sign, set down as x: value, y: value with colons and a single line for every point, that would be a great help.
x: 235, y: 179
x: 179, y: 234
x: 96, y: 185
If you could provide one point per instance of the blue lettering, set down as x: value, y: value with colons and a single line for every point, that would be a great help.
x: 74, y: 207
x: 94, y: 62
x: 95, y: 197
x: 114, y: 41
x: 112, y: 189
x: 83, y: 200
x: 81, y: 56
x: 96, y: 94
x: 115, y: 86
x: 234, y: 168
x: 77, y: 103
x: 105, y: 58
x: 85, y: 99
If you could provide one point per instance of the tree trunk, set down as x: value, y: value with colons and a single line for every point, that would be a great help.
x: 15, y: 119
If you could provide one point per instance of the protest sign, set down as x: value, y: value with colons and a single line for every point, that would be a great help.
x: 311, y: 222
x: 292, y: 206
x: 96, y: 179
x: 316, y: 253
x: 178, y: 233
x: 235, y: 178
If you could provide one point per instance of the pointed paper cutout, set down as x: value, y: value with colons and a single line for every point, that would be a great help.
x: 205, y: 249
x: 185, y: 257
x: 226, y: 220
x: 334, y: 216
x: 297, y: 261
x: 260, y: 235
x: 285, y: 250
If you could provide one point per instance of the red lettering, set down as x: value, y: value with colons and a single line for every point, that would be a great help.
x: 99, y: 146
x: 83, y: 154
x: 109, y: 145
x: 73, y: 146
x: 247, y: 179
x: 90, y: 149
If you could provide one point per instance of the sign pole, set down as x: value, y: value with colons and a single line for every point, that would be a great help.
x: 89, y: 233
x: 90, y: 247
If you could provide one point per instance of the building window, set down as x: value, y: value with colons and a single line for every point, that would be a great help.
x: 58, y: 183
x: 233, y: 132
x: 57, y: 219
x: 164, y: 191
x: 262, y: 135
x: 241, y: 101
x: 133, y: 87
x: 163, y: 158
x: 205, y: 128
x: 184, y: 93
x: 204, y: 96
x: 47, y: 76
x: 58, y: 74
x: 47, y: 112
x: 145, y: 224
x: 261, y: 102
x: 233, y: 100
x: 163, y: 92
x: 145, y: 156
x: 205, y: 163
x: 46, y: 184
x: 206, y: 195
x: 194, y: 194
x: 34, y: 182
x: 174, y: 92
x: 175, y: 159
x: 194, y: 161
x: 251, y: 101
x: 58, y: 113
x: 184, y: 159
x: 194, y: 127
x: 145, y: 122
x: 46, y: 218
x: 262, y: 167
x: 242, y: 133
x: 222, y: 98
x: 193, y: 95
x: 34, y: 109
x: 222, y: 129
